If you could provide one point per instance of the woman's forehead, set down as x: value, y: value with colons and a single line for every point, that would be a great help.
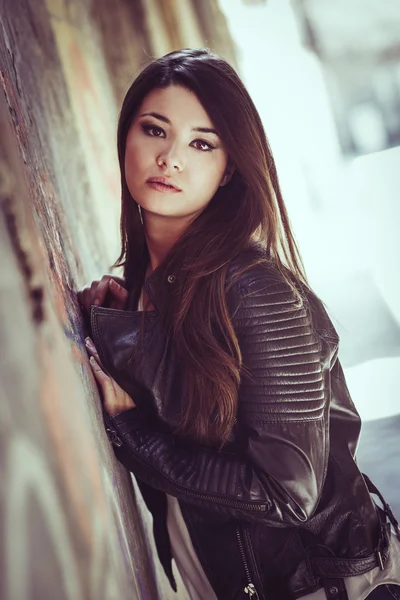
x: 176, y: 103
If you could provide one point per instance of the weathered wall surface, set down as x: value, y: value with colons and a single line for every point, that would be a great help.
x: 73, y: 524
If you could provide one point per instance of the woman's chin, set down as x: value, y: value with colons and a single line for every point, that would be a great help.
x: 168, y: 212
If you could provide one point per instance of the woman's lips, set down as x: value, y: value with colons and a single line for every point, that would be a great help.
x: 161, y: 187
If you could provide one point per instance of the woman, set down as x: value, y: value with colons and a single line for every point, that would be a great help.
x: 218, y: 365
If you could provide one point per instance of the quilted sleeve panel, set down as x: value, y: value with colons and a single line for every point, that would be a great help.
x: 282, y: 354
x: 285, y: 393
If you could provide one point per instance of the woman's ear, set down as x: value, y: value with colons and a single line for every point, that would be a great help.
x: 229, y: 171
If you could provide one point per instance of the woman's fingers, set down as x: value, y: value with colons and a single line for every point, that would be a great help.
x: 84, y: 297
x: 91, y: 348
x: 106, y: 292
x: 120, y: 295
x: 115, y: 399
x: 98, y: 372
x: 100, y: 290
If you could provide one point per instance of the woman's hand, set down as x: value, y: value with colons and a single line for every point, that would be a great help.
x: 110, y: 291
x: 115, y: 399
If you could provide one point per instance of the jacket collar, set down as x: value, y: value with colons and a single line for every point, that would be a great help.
x: 158, y: 287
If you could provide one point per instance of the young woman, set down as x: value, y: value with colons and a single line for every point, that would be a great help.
x: 218, y: 365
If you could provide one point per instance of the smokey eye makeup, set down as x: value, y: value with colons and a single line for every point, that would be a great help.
x: 157, y: 131
x: 147, y: 127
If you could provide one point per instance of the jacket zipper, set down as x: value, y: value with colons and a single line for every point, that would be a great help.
x: 239, y: 504
x: 260, y: 507
x: 250, y: 588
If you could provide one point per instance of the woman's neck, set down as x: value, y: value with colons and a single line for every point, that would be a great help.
x: 161, y: 234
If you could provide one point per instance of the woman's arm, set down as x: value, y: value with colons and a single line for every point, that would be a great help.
x: 282, y: 414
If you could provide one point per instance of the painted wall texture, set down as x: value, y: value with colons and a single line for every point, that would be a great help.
x: 72, y: 525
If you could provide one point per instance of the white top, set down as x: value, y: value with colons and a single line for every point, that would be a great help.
x: 198, y: 587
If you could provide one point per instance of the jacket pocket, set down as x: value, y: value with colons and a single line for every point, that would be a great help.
x: 253, y: 589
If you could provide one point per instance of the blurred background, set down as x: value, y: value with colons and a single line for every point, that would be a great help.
x: 325, y: 77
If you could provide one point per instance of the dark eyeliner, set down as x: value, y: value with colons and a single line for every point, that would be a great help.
x: 210, y: 146
x: 147, y: 126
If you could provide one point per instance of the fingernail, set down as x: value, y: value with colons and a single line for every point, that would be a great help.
x: 88, y: 341
x: 96, y: 302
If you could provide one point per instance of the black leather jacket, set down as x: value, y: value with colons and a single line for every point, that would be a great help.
x: 283, y: 509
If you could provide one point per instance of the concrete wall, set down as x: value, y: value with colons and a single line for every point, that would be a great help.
x: 72, y: 523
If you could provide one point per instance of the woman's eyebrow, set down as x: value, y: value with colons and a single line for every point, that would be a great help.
x: 166, y: 120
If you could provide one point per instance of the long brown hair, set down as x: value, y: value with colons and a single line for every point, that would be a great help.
x: 250, y: 207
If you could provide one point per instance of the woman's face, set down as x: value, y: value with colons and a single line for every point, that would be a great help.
x: 172, y: 137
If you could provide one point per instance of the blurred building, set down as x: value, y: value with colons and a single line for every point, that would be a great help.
x: 358, y: 44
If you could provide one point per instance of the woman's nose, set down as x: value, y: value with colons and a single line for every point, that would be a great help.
x: 170, y: 161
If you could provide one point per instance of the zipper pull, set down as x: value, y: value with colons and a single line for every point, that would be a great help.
x: 114, y: 439
x: 251, y: 591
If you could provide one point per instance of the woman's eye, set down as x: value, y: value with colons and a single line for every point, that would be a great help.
x: 204, y: 146
x: 153, y: 130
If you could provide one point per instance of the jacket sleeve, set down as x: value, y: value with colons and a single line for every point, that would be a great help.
x: 282, y: 422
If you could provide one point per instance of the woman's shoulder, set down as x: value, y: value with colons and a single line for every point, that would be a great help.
x: 257, y: 284
x: 254, y: 264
